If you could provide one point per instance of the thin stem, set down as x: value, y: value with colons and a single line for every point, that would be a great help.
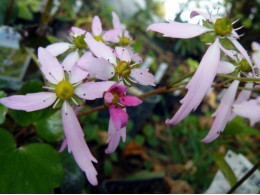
x: 9, y: 12
x: 33, y: 56
x: 91, y: 111
x: 239, y: 78
x: 249, y: 173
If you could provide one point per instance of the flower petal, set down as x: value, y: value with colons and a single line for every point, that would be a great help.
x: 50, y: 66
x: 109, y: 98
x: 96, y: 26
x: 93, y: 90
x: 116, y: 22
x: 142, y: 76
x: 178, y: 30
x: 118, y: 116
x: 248, y: 109
x: 129, y: 100
x: 242, y: 50
x: 112, y: 35
x: 222, y: 113
x: 70, y: 61
x: 199, y: 84
x: 123, y: 54
x: 29, y: 102
x: 225, y: 67
x: 200, y: 13
x: 75, y: 31
x: 77, y: 74
x: 120, y: 89
x: 114, y: 137
x: 58, y: 48
x: 77, y: 144
x: 98, y: 68
x: 63, y: 145
x: 256, y: 54
x: 99, y: 49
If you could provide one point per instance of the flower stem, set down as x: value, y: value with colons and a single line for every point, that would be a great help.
x: 239, y: 78
x: 249, y: 173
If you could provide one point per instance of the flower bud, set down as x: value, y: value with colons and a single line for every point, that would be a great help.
x: 123, y: 69
x: 223, y: 26
x: 80, y: 42
x: 244, y: 66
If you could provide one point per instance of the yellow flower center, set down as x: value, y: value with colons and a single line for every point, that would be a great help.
x: 244, y: 66
x: 115, y: 98
x: 80, y: 42
x: 223, y: 26
x: 123, y: 69
x: 124, y: 41
x: 99, y: 38
x: 64, y: 90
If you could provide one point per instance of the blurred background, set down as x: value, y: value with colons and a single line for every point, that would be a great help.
x: 155, y: 158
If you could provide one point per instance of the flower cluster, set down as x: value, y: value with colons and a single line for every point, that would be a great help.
x: 221, y: 37
x: 98, y: 64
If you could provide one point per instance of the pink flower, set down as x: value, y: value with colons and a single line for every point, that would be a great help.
x: 118, y: 34
x: 116, y: 99
x: 119, y: 63
x: 222, y: 113
x: 66, y: 91
x: 218, y: 29
x: 249, y: 109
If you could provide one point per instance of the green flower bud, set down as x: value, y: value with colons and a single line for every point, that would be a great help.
x: 244, y: 66
x: 80, y: 42
x: 123, y: 69
x: 223, y: 26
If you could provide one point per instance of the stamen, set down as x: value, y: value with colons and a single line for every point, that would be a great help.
x: 77, y: 84
x: 132, y: 65
x: 74, y: 101
x: 53, y: 77
x: 126, y: 82
x: 55, y: 104
x: 50, y: 88
x: 132, y: 80
x: 235, y: 21
x: 238, y: 28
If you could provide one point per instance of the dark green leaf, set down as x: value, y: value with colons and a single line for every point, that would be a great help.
x: 225, y: 169
x: 238, y: 126
x: 149, y: 130
x: 3, y: 109
x: 74, y: 179
x: 208, y: 37
x: 108, y: 168
x: 227, y: 44
x: 35, y: 168
x: 51, y: 128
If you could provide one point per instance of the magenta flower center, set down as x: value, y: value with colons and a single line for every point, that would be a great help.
x: 64, y: 90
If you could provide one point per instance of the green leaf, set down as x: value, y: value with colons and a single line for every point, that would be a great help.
x: 139, y: 139
x: 225, y: 169
x: 51, y: 128
x: 34, y: 168
x: 238, y: 126
x: 74, y: 179
x: 149, y: 130
x: 3, y: 109
x: 108, y: 168
x: 23, y: 11
x: 227, y: 44
x: 208, y: 37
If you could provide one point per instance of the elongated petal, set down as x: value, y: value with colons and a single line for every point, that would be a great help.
x: 112, y: 35
x: 77, y: 144
x: 225, y: 67
x: 123, y: 54
x: 199, y: 84
x: 256, y: 54
x: 58, y: 48
x: 134, y: 56
x: 142, y: 76
x: 75, y: 31
x: 29, y: 102
x: 96, y: 26
x: 129, y: 100
x: 118, y: 116
x: 255, y: 46
x: 93, y: 90
x: 114, y: 137
x: 200, y: 13
x: 77, y: 74
x: 70, y: 61
x: 222, y: 113
x: 248, y: 109
x: 178, y: 30
x: 98, y: 68
x: 99, y: 49
x: 242, y: 50
x: 116, y: 22
x: 63, y: 145
x: 50, y: 66
x: 244, y: 95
